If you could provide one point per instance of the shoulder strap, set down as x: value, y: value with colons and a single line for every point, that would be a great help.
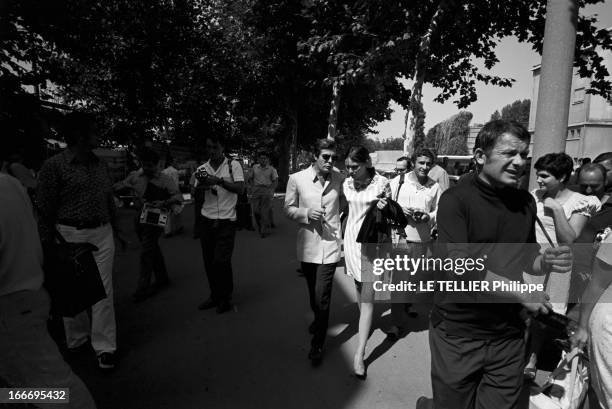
x: 399, y: 186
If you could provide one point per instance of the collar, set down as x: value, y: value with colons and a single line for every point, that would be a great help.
x: 411, y: 176
x: 72, y: 158
x: 315, y: 177
x: 213, y: 169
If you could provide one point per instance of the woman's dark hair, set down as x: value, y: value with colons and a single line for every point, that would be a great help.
x: 77, y: 125
x: 560, y: 165
x: 148, y: 155
x: 323, y: 143
x: 359, y: 154
x: 424, y: 152
x: 491, y: 131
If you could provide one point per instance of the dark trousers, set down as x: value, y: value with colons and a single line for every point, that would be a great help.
x: 319, y: 278
x: 151, y: 257
x: 476, y: 374
x: 217, y: 240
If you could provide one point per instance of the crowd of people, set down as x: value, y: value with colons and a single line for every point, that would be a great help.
x: 480, y: 356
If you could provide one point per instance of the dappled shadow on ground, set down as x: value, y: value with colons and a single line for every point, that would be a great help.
x: 171, y: 355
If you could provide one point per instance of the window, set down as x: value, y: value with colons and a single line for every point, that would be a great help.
x: 578, y: 95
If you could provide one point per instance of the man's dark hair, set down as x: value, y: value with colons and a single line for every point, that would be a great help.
x: 359, y: 154
x: 323, y: 143
x: 424, y: 152
x: 493, y: 130
x: 560, y: 165
x: 589, y: 167
x: 77, y: 125
x: 148, y: 155
x: 603, y: 157
x: 216, y: 139
x: 403, y: 158
x: 586, y: 161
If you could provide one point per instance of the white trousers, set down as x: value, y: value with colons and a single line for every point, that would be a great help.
x: 102, y: 329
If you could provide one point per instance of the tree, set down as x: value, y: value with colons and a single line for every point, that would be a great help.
x: 517, y: 111
x: 449, y: 137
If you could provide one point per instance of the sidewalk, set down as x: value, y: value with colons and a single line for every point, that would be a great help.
x: 174, y: 356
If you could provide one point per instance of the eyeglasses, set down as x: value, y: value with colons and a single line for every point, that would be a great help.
x: 353, y: 167
x: 326, y: 157
x: 398, y: 170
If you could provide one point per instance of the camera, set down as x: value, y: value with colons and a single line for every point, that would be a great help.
x: 201, y: 174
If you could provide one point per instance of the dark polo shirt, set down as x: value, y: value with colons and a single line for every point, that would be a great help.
x: 476, y: 220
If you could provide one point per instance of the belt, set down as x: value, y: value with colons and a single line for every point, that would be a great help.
x: 82, y: 224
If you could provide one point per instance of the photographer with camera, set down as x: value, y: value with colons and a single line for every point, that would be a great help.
x: 223, y: 180
x: 156, y: 193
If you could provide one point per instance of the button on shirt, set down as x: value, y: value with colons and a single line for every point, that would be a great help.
x: 221, y: 206
x: 71, y: 189
x: 317, y: 242
x: 422, y: 197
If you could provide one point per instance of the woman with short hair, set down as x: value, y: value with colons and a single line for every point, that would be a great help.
x: 563, y: 214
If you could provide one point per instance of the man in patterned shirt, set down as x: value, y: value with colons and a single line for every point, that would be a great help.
x: 75, y: 196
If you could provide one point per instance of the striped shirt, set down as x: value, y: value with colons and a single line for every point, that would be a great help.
x: 359, y: 202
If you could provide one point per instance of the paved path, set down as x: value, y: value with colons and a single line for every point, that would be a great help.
x: 174, y: 356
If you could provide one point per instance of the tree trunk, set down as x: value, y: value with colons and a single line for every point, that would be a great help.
x: 332, y: 123
x: 288, y: 146
x: 418, y: 79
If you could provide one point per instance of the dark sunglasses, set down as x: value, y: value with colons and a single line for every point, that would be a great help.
x: 326, y: 157
x: 400, y: 170
x: 353, y: 167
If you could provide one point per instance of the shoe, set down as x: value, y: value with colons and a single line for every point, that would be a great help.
x: 207, y: 305
x: 311, y: 328
x: 224, y: 306
x: 394, y: 333
x: 106, y: 360
x: 315, y: 355
x: 424, y: 403
x: 359, y: 367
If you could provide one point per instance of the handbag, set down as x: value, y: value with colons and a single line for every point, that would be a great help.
x: 72, y: 277
x: 567, y: 385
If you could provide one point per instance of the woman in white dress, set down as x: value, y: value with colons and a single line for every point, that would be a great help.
x: 564, y: 214
x: 362, y: 188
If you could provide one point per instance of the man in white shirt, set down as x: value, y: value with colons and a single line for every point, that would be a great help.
x: 313, y: 200
x: 418, y: 195
x: 223, y: 180
x: 263, y: 180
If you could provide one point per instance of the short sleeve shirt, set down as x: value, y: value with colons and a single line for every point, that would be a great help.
x: 222, y: 205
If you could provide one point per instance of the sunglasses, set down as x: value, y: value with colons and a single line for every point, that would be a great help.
x: 326, y: 157
x: 353, y: 167
x: 400, y: 169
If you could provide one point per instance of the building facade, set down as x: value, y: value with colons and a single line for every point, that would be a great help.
x: 589, y: 128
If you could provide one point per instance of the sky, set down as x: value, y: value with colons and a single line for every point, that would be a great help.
x: 515, y: 61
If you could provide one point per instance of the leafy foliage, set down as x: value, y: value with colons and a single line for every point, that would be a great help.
x: 517, y: 111
x: 449, y: 137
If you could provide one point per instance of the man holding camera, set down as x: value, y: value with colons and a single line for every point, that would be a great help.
x: 155, y: 190
x: 223, y: 180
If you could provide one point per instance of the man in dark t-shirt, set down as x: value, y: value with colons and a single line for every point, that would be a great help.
x: 476, y: 339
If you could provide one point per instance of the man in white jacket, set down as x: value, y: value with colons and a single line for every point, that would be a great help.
x: 313, y: 200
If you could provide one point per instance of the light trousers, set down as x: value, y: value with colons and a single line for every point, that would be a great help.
x: 102, y: 329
